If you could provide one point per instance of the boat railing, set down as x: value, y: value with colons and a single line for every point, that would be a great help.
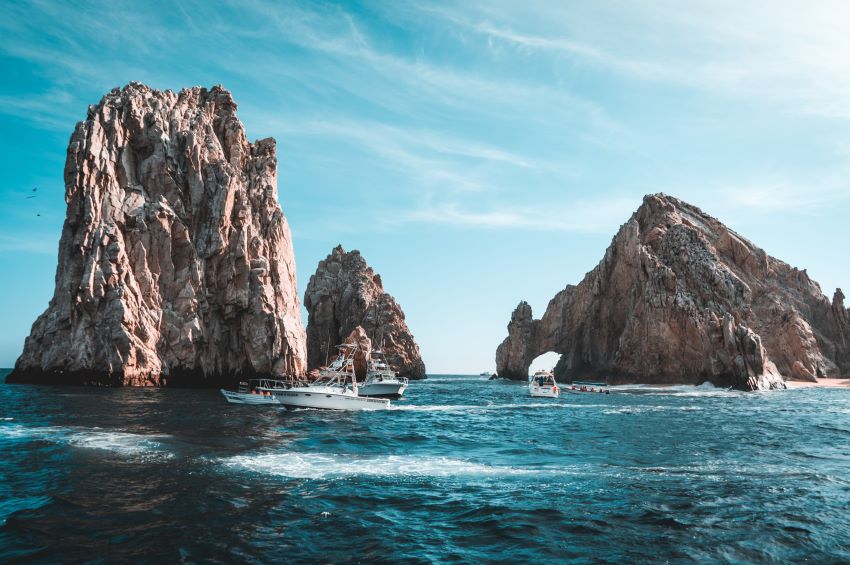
x: 269, y: 384
x: 387, y: 377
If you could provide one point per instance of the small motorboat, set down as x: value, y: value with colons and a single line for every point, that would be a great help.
x: 543, y: 384
x: 578, y: 387
x: 256, y: 391
x: 381, y: 381
x: 335, y: 389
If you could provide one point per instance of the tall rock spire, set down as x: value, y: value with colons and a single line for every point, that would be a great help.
x: 175, y: 262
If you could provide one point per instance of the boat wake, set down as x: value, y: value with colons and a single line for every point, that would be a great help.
x: 320, y: 466
x: 123, y: 443
x: 479, y: 407
x: 703, y: 390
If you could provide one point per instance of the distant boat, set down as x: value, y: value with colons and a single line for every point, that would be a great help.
x: 381, y: 381
x: 543, y: 384
x: 335, y: 389
x: 578, y: 387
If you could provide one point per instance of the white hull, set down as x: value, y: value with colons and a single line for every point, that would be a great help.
x: 249, y: 398
x: 328, y: 398
x: 544, y: 391
x: 385, y: 389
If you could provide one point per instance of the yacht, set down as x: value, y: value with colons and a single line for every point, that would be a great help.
x: 543, y: 384
x: 381, y: 381
x: 335, y: 389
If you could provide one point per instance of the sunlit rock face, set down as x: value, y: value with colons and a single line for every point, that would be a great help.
x: 175, y: 262
x: 681, y: 298
x: 345, y: 293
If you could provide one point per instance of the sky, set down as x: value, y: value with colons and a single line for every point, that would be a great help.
x: 487, y: 151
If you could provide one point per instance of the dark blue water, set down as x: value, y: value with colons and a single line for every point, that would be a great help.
x: 465, y: 471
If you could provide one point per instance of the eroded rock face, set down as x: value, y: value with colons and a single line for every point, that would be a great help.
x: 175, y: 262
x: 345, y: 293
x: 359, y: 337
x: 681, y: 298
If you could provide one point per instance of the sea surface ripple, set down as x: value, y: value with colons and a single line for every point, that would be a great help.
x: 461, y: 471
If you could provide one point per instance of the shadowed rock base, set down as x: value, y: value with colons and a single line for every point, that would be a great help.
x: 178, y: 379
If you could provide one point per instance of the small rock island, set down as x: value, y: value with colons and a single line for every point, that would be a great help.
x: 345, y: 299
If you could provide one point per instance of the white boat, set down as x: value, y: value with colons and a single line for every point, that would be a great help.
x: 381, y: 381
x: 543, y: 384
x: 256, y: 391
x: 335, y: 389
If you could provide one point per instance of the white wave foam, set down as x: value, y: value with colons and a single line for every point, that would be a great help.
x: 478, y: 407
x: 318, y: 466
x: 704, y: 389
x: 6, y: 419
x: 125, y: 443
x: 645, y: 409
x: 118, y: 442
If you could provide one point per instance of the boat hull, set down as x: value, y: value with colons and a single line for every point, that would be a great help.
x: 382, y: 390
x: 326, y: 400
x: 544, y: 391
x: 249, y: 398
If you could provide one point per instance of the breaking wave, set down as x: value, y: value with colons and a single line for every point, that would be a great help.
x: 319, y: 466
x: 124, y: 443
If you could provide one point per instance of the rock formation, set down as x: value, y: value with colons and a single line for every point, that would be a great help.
x: 175, y: 262
x: 359, y: 337
x: 345, y: 293
x: 679, y: 297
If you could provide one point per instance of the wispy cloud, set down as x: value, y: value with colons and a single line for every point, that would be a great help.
x: 780, y: 53
x: 599, y: 215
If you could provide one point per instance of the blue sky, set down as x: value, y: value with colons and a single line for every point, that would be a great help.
x: 487, y: 152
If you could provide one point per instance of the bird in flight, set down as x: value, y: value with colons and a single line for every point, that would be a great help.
x: 33, y: 196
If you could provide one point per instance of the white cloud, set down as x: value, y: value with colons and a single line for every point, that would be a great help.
x: 600, y: 215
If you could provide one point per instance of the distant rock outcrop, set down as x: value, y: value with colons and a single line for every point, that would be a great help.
x: 175, y: 262
x: 345, y: 293
x: 681, y: 298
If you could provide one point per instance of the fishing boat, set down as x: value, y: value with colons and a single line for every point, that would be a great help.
x: 578, y: 387
x: 256, y: 391
x: 335, y: 389
x: 381, y: 381
x: 543, y: 384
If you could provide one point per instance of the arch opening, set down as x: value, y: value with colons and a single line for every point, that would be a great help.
x: 544, y: 362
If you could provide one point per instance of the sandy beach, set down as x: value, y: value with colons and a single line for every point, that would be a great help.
x: 822, y: 383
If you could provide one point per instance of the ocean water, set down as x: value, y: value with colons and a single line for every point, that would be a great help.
x: 462, y: 471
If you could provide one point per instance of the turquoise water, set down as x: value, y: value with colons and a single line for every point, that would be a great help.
x: 462, y: 471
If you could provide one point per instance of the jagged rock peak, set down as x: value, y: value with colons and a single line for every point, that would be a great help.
x: 345, y: 293
x: 679, y: 297
x: 175, y: 262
